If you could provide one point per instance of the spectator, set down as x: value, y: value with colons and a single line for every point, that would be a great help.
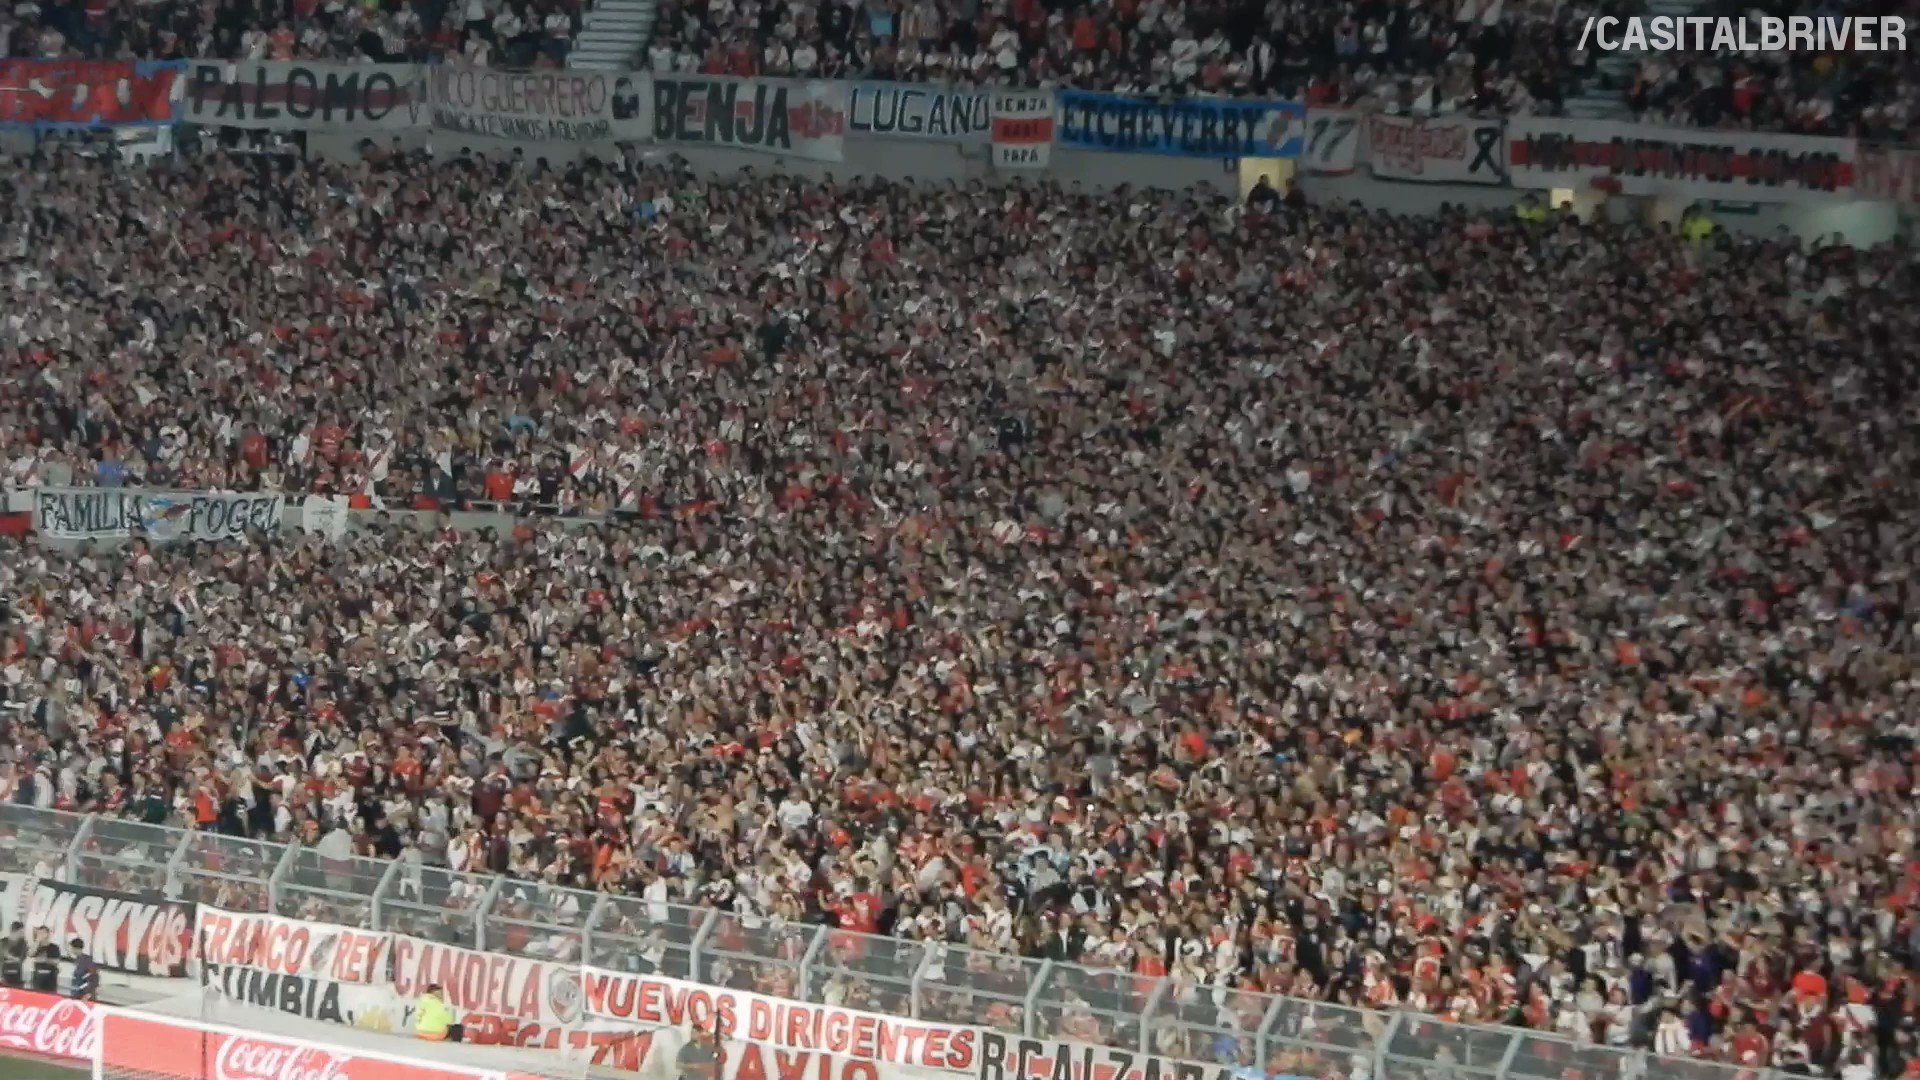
x: 1505, y: 618
x: 84, y: 982
x: 43, y: 963
x: 13, y: 957
x: 1403, y: 55
x: 541, y: 31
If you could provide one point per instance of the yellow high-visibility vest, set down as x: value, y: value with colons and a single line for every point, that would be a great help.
x: 432, y: 1017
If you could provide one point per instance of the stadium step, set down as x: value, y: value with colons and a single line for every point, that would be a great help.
x: 613, y: 34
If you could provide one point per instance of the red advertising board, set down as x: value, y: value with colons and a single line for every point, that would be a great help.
x: 47, y: 1025
x: 155, y: 1046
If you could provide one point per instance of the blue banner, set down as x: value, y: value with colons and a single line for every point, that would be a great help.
x: 1194, y: 127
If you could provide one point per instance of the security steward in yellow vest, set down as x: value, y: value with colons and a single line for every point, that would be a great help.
x: 1695, y: 225
x: 433, y: 1018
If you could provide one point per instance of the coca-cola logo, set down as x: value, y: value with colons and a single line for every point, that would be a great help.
x: 245, y: 1059
x: 47, y: 1025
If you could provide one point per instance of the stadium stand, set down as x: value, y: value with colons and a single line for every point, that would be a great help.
x: 1486, y: 57
x: 1868, y: 95
x: 517, y: 33
x: 1490, y: 55
x: 1507, y: 621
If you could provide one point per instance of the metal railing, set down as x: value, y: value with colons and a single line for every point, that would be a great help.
x: 930, y: 981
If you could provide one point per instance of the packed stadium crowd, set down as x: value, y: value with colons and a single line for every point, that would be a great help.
x: 1868, y: 94
x: 1487, y: 57
x: 519, y: 33
x: 1510, y: 621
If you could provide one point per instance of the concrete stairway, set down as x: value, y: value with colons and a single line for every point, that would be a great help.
x: 612, y: 35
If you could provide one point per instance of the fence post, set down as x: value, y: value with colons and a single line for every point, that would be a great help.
x: 70, y: 862
x: 482, y: 909
x: 1262, y: 1037
x: 594, y: 913
x: 1380, y: 1046
x: 174, y: 862
x: 807, y: 960
x: 387, y: 878
x: 1506, y: 1058
x: 700, y: 942
x: 1030, y: 1006
x: 1154, y: 999
x: 280, y: 871
x: 919, y: 979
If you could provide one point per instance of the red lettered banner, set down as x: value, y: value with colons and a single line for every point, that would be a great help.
x: 491, y: 985
x: 291, y: 946
x: 86, y: 93
x: 758, y: 1061
x: 157, y: 1046
x: 1561, y: 152
x: 792, y: 1025
x: 47, y: 1025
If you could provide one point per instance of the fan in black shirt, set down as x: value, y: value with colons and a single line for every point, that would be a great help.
x: 43, y: 963
x: 13, y: 957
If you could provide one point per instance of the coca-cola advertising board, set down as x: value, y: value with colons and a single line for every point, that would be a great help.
x: 47, y: 1025
x: 158, y: 1046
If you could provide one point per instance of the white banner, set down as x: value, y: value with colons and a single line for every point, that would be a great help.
x: 551, y: 106
x: 370, y: 1008
x: 651, y: 1053
x: 1022, y: 129
x: 787, y: 117
x: 16, y: 891
x: 1333, y: 142
x: 271, y: 943
x: 1009, y: 1057
x: 283, y: 95
x: 915, y: 111
x: 1888, y: 174
x: 509, y: 988
x: 381, y: 1008
x: 62, y: 513
x: 326, y: 515
x: 1439, y: 149
x: 657, y: 1001
x: 1739, y: 166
